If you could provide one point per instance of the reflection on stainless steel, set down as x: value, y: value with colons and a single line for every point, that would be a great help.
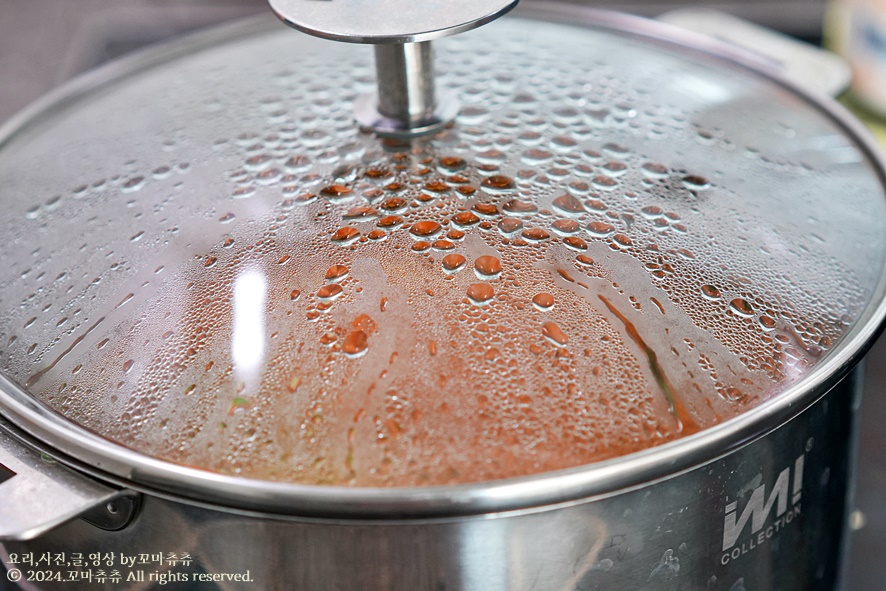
x: 406, y: 102
x: 666, y: 535
x: 41, y: 494
x: 405, y: 74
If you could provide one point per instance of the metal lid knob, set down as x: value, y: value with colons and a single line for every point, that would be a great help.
x: 406, y: 103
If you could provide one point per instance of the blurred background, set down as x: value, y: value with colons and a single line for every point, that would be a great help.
x: 45, y: 42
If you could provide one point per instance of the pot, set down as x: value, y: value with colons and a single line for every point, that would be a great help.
x: 754, y: 502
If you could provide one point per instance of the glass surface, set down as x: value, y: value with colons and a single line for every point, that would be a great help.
x: 615, y: 245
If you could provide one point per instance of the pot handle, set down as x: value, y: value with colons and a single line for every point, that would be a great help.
x: 803, y: 64
x: 37, y: 494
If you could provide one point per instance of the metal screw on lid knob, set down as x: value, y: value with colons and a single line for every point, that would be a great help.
x: 406, y: 103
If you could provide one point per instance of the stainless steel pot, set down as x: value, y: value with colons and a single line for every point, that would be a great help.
x: 771, y: 514
x: 757, y: 502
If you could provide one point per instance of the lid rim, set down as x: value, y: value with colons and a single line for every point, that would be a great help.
x: 598, y: 479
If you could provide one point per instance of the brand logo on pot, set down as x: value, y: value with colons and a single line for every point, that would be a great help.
x: 788, y: 487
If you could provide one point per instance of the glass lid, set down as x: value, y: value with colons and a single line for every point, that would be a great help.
x: 617, y: 243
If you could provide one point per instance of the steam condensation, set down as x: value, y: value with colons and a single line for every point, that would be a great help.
x: 596, y: 258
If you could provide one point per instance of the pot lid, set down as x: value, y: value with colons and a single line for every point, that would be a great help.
x: 617, y: 243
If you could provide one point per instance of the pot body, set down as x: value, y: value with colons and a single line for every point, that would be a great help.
x: 770, y: 515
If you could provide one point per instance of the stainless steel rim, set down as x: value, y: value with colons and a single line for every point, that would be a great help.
x: 104, y: 458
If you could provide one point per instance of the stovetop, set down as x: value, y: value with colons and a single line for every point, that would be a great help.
x: 45, y: 42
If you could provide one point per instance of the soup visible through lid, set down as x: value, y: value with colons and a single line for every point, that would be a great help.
x: 208, y: 263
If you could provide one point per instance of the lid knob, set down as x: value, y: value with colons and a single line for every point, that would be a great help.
x: 406, y: 103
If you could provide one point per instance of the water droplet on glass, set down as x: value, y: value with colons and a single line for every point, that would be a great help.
x: 554, y: 334
x: 394, y: 205
x: 568, y: 205
x: 346, y: 235
x: 452, y: 163
x: 767, y: 322
x: 741, y: 307
x: 487, y: 267
x: 297, y: 164
x: 337, y: 193
x: 465, y: 218
x: 361, y: 214
x: 161, y: 172
x: 329, y: 292
x: 425, y: 228
x: 486, y: 209
x: 600, y: 229
x: 605, y: 183
x: 652, y: 212
x: 498, y: 184
x: 442, y: 245
x: 395, y: 187
x: 543, y: 301
x: 480, y: 293
x: 492, y: 157
x: 614, y: 168
x: 132, y: 185
x: 472, y: 114
x: 621, y: 241
x: 336, y: 273
x: 564, y: 227
x: 535, y: 234
x: 710, y: 292
x: 258, y: 162
x: 453, y: 262
x: 355, y: 344
x: 575, y: 243
x: 389, y: 221
x: 437, y: 187
x: 243, y: 192
x: 694, y: 182
x: 654, y: 170
x: 509, y: 225
x: 536, y: 156
x: 517, y: 207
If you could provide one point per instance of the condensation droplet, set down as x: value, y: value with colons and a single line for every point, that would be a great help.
x: 710, y: 292
x: 487, y: 267
x: 600, y: 229
x: 480, y: 293
x: 465, y: 219
x: 425, y: 228
x: 453, y: 262
x: 569, y: 205
x: 498, y: 184
x: 553, y: 333
x: 355, y: 344
x: 336, y: 273
x: 741, y: 307
x: 329, y: 292
x: 543, y: 301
